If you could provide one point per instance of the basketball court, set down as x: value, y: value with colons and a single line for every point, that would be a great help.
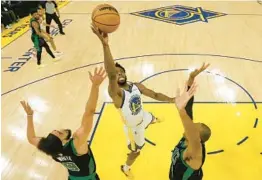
x: 158, y: 43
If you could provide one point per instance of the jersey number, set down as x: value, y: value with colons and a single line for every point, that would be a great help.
x: 71, y: 166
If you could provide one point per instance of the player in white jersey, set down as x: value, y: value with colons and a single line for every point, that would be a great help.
x: 127, y: 98
x: 48, y: 38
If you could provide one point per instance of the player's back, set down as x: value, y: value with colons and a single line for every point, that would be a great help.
x: 132, y: 108
x: 77, y: 165
x: 179, y: 169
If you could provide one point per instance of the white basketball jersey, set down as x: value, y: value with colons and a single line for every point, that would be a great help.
x: 132, y: 109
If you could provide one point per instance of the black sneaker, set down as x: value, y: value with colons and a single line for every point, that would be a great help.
x: 62, y: 33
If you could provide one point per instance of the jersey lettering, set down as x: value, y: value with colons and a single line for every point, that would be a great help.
x: 71, y: 166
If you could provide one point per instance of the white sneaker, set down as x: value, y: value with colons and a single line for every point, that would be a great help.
x: 58, y: 58
x: 41, y: 66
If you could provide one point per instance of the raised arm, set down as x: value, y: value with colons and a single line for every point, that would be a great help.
x: 189, y: 127
x: 113, y: 89
x: 30, y: 130
x: 154, y: 95
x: 81, y: 135
x: 191, y: 79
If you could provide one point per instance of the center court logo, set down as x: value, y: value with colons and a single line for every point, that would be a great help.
x: 179, y: 15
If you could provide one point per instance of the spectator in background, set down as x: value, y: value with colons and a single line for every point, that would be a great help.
x: 50, y: 8
x: 8, y: 12
x: 17, y: 7
x: 6, y: 21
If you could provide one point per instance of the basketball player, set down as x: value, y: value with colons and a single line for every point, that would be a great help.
x: 48, y: 38
x: 189, y: 154
x: 41, y: 12
x: 38, y: 38
x: 127, y: 98
x: 74, y: 153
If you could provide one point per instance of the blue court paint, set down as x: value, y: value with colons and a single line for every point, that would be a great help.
x: 256, y: 122
x: 215, y: 152
x: 243, y: 140
x: 129, y: 58
x: 96, y: 125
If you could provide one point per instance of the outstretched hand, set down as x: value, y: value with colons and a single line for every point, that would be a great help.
x: 182, y: 100
x: 27, y: 108
x: 101, y: 35
x: 98, y: 77
x: 198, y: 71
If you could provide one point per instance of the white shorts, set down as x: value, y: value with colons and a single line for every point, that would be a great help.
x: 136, y: 135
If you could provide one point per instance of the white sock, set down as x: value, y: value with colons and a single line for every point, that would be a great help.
x: 126, y: 167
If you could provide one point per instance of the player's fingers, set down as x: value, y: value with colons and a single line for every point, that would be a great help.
x: 90, y: 75
x: 192, y: 89
x: 100, y: 71
x: 207, y: 65
x: 94, y: 26
x: 95, y: 70
x: 100, y: 32
x: 105, y: 35
x: 22, y: 103
x: 185, y: 88
x: 104, y: 76
x: 103, y: 72
x: 93, y: 29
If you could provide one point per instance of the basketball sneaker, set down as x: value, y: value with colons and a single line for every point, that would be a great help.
x: 128, y: 172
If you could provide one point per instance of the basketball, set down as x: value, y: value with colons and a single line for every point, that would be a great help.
x: 106, y: 18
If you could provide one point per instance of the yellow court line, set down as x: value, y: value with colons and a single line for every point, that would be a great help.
x: 20, y: 28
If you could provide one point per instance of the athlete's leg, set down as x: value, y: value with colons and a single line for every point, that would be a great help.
x: 38, y: 55
x: 38, y: 48
x: 49, y: 39
x: 129, y: 138
x: 47, y: 48
x: 139, y: 139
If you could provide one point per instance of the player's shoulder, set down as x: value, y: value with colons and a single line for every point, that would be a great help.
x: 138, y: 84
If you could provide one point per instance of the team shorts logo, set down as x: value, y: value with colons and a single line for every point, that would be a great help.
x: 135, y: 104
x: 179, y: 15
